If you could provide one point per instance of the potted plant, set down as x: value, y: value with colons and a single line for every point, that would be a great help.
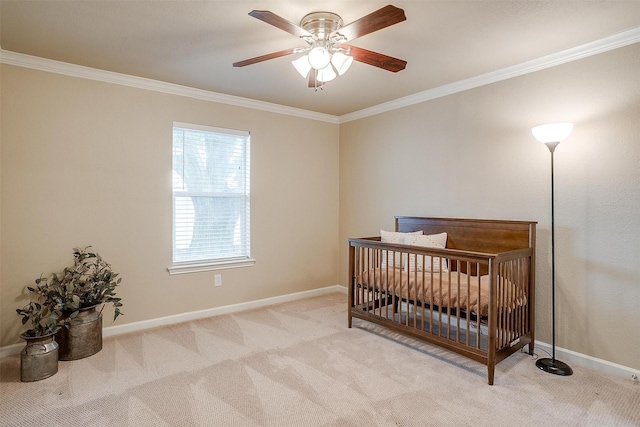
x: 89, y: 283
x: 39, y: 358
x: 78, y: 291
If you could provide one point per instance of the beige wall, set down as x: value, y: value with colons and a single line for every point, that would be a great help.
x: 85, y: 162
x: 472, y: 155
x: 89, y: 163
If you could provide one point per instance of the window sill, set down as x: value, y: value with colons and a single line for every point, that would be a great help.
x: 210, y: 266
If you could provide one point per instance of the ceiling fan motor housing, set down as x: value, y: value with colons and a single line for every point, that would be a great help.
x: 321, y: 24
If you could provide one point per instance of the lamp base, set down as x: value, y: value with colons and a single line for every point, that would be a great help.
x: 554, y: 366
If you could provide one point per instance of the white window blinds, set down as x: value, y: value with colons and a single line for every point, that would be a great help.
x: 210, y: 195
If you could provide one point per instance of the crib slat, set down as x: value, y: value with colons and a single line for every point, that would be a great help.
x: 439, y: 303
x: 499, y: 301
x: 384, y: 287
x: 370, y: 262
x: 416, y: 296
x: 512, y: 300
x: 375, y: 291
x: 358, y: 269
x: 468, y: 308
x: 457, y: 310
x: 510, y: 294
x: 361, y: 288
x: 502, y: 303
x: 510, y: 281
x: 406, y: 317
x: 422, y: 292
x: 365, y: 296
x: 517, y: 319
x: 478, y: 314
x: 529, y: 285
x: 449, y: 307
x: 521, y: 294
x: 431, y: 315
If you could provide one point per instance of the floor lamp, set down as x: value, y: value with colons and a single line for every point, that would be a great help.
x: 551, y: 135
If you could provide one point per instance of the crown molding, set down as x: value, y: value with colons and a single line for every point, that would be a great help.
x: 58, y: 67
x: 606, y: 44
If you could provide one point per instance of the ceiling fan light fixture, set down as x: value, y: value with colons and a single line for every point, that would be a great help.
x: 319, y: 57
x: 325, y: 34
x: 326, y: 74
x: 341, y: 62
x: 302, y: 65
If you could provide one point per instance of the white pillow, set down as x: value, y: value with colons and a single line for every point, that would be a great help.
x: 427, y: 241
x: 398, y: 238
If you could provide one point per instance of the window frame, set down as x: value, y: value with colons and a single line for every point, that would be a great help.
x: 193, y: 266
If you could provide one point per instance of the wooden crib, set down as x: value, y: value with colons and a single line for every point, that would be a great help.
x: 474, y: 297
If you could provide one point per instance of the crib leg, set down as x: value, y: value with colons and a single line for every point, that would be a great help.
x: 490, y: 373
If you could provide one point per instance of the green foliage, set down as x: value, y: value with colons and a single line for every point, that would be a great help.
x: 89, y: 282
x: 43, y: 311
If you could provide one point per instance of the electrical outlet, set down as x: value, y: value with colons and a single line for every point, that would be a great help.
x: 217, y: 280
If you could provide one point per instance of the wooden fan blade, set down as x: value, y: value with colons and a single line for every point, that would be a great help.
x: 377, y: 59
x: 279, y: 22
x: 263, y: 58
x: 312, y: 79
x: 381, y: 18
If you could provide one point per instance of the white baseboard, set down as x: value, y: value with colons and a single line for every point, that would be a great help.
x: 216, y: 311
x: 10, y: 350
x: 575, y: 359
x: 111, y: 331
x: 570, y: 357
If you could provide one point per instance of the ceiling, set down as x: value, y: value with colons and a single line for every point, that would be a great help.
x: 194, y: 43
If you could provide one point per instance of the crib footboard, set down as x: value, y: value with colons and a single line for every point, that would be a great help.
x: 476, y: 304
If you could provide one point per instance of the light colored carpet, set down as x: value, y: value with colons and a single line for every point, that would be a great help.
x: 297, y: 364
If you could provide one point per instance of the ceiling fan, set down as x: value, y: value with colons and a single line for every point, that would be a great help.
x: 326, y: 52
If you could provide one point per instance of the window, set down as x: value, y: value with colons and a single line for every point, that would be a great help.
x: 210, y: 198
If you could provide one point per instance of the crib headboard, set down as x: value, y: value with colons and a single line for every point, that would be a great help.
x: 478, y: 235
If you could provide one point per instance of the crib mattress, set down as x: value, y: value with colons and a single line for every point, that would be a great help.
x: 446, y: 289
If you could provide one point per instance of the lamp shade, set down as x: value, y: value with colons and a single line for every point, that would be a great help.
x: 553, y: 132
x: 319, y: 57
x: 302, y: 65
x: 326, y: 74
x: 341, y: 62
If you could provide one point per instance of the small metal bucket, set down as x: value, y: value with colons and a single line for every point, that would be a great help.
x: 80, y: 337
x: 39, y: 358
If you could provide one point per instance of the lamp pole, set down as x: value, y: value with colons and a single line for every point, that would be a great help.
x: 551, y: 135
x: 552, y: 147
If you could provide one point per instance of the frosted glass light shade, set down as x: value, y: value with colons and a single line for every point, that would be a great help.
x: 553, y: 132
x: 341, y: 62
x: 326, y: 74
x: 302, y: 65
x: 319, y: 57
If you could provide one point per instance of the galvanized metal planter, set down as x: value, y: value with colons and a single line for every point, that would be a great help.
x: 39, y: 358
x: 80, y: 337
